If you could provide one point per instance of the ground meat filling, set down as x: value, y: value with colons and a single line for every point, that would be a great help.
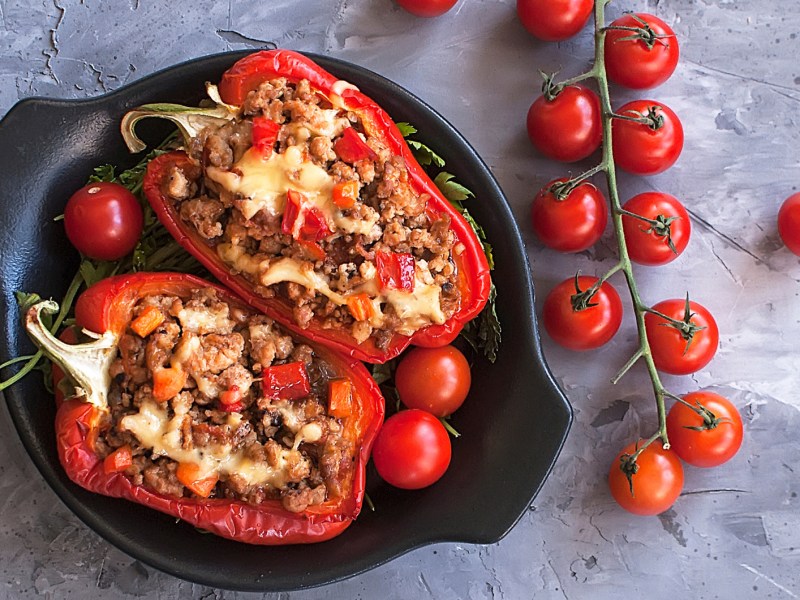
x: 250, y: 233
x: 260, y: 448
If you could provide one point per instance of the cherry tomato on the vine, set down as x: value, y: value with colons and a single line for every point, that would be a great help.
x: 656, y: 484
x: 554, y: 20
x: 103, y: 220
x: 427, y: 8
x: 572, y: 224
x: 640, y: 62
x: 647, y: 148
x: 789, y: 223
x: 584, y: 329
x: 705, y: 442
x: 412, y: 450
x: 435, y: 380
x: 649, y: 243
x: 682, y: 349
x: 567, y: 128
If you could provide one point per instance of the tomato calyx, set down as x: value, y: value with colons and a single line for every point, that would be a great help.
x: 629, y: 466
x: 710, y: 420
x: 652, y: 117
x: 659, y: 226
x: 550, y: 89
x: 686, y: 327
x: 582, y: 299
x: 644, y: 33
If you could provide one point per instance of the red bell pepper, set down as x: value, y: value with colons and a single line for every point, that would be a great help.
x: 396, y: 270
x: 286, y: 382
x: 473, y: 271
x: 302, y: 220
x: 107, y: 307
x: 350, y: 148
x: 265, y: 134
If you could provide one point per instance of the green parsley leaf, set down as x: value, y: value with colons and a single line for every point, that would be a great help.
x: 406, y: 129
x: 452, y: 190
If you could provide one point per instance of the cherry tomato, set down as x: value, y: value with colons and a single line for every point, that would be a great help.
x: 656, y: 484
x: 103, y: 221
x: 435, y: 380
x: 412, y: 450
x: 642, y: 150
x: 672, y: 352
x: 554, y: 20
x: 705, y: 442
x: 648, y: 244
x: 644, y: 62
x: 567, y: 128
x: 583, y: 329
x: 427, y: 8
x: 572, y: 224
x: 789, y: 223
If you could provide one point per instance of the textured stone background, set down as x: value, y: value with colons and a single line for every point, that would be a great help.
x: 735, y: 532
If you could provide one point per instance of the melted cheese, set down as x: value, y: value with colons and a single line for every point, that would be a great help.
x: 156, y: 431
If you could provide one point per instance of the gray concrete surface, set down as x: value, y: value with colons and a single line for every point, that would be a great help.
x: 735, y: 532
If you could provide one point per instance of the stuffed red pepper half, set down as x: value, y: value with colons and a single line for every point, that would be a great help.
x: 191, y: 403
x: 300, y: 194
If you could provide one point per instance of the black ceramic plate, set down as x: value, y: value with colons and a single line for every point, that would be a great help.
x: 513, y: 424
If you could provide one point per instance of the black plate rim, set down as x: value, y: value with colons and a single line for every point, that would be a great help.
x: 112, y: 536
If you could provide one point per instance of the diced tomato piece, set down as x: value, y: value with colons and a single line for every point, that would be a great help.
x: 147, y: 321
x: 396, y: 270
x: 286, y: 382
x: 119, y: 460
x: 351, y: 148
x: 361, y: 307
x: 168, y: 382
x: 265, y: 134
x: 187, y: 474
x: 345, y: 194
x: 340, y: 397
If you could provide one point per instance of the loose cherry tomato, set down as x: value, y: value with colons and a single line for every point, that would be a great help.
x: 554, y: 20
x: 567, y: 128
x: 571, y: 224
x: 656, y: 484
x: 789, y: 223
x: 647, y: 149
x: 103, y: 221
x: 412, y: 450
x: 435, y: 380
x: 686, y: 348
x: 649, y: 243
x: 645, y: 61
x: 705, y: 441
x: 584, y: 329
x: 427, y: 8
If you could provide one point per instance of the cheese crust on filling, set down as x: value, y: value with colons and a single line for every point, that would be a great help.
x: 274, y: 213
x: 224, y: 424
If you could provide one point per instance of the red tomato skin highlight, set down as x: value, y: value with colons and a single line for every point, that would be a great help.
x: 630, y: 63
x: 647, y: 248
x: 586, y: 329
x: 573, y: 224
x: 554, y: 20
x: 656, y: 485
x: 412, y: 450
x: 427, y: 8
x: 568, y: 128
x: 670, y: 354
x: 789, y: 223
x: 708, y: 447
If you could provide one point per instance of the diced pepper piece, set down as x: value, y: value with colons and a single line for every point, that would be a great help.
x: 119, y: 460
x: 350, y: 148
x: 340, y: 397
x: 345, y: 194
x: 361, y: 307
x: 187, y: 474
x: 168, y: 382
x: 231, y: 399
x: 147, y: 321
x: 286, y: 382
x: 265, y: 134
x: 395, y: 270
x: 313, y: 250
x: 302, y: 220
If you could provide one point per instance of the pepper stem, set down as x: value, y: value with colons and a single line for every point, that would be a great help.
x: 189, y: 119
x: 86, y: 364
